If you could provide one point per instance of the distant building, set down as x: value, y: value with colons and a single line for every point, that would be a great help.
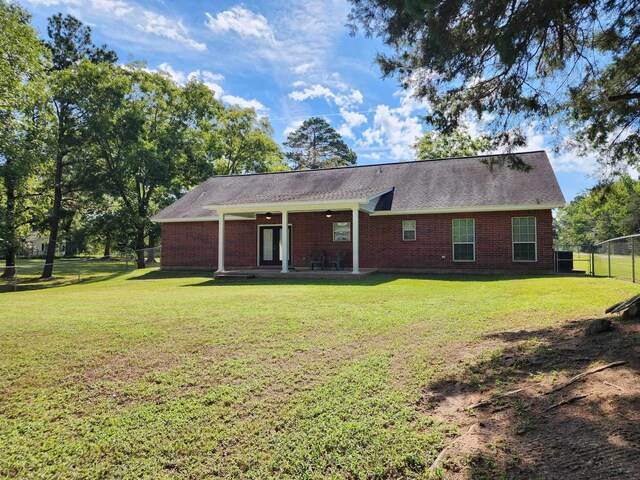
x: 37, y: 244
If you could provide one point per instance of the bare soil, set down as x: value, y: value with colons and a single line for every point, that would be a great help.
x: 592, y: 437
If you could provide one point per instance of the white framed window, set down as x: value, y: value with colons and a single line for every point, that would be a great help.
x: 342, y: 231
x: 408, y: 230
x: 464, y: 240
x: 523, y: 236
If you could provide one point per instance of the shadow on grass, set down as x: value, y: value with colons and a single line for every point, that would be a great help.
x: 595, y: 437
x: 64, y: 276
x: 371, y: 280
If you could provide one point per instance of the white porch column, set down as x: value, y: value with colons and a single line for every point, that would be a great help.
x: 284, y: 239
x: 355, y: 238
x: 220, y: 242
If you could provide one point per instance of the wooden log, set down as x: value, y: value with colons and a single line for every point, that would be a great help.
x: 620, y: 306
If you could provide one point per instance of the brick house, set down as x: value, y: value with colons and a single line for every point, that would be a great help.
x: 443, y: 215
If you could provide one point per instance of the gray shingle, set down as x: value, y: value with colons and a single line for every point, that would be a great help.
x: 426, y: 185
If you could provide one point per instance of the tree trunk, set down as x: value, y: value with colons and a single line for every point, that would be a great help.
x: 152, y: 246
x: 54, y: 219
x: 107, y: 248
x: 10, y: 243
x: 140, y: 246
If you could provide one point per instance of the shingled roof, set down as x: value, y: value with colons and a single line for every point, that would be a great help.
x: 424, y: 186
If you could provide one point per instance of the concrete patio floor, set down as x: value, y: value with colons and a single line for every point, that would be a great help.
x: 297, y: 273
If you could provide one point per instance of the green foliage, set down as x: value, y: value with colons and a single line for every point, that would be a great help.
x: 245, y: 145
x: 517, y: 64
x: 70, y: 42
x: 434, y: 145
x: 316, y: 144
x: 22, y: 116
x: 604, y: 212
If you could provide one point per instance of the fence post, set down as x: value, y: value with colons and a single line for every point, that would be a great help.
x: 593, y: 263
x: 15, y: 279
x: 633, y: 260
x: 609, y: 257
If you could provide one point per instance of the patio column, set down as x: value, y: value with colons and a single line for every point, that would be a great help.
x: 356, y: 238
x: 220, y: 242
x: 284, y: 239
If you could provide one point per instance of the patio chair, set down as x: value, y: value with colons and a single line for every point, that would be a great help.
x: 316, y: 258
x: 339, y: 260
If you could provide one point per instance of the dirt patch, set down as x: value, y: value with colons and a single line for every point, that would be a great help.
x: 595, y: 435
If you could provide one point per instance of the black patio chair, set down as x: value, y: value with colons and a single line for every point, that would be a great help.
x: 339, y: 260
x: 316, y: 258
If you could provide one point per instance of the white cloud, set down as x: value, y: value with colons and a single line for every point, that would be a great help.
x: 299, y: 84
x: 395, y: 130
x: 241, y: 21
x: 314, y: 91
x: 351, y: 120
x: 344, y: 99
x: 209, y: 79
x: 571, y: 162
x: 298, y: 38
x: 175, y: 75
x: 292, y: 127
x: 114, y: 14
x: 302, y: 68
x: 245, y: 103
x: 567, y: 161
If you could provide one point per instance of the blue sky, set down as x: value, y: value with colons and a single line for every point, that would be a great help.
x: 288, y: 59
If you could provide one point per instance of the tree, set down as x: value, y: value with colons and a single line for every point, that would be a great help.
x: 138, y: 125
x: 227, y: 140
x: 605, y: 211
x: 245, y: 144
x: 316, y: 144
x: 69, y: 43
x: 457, y: 144
x: 518, y: 64
x: 22, y: 60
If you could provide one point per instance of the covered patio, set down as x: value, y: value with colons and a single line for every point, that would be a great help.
x: 224, y: 213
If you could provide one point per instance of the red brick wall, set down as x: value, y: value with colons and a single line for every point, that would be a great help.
x: 194, y: 244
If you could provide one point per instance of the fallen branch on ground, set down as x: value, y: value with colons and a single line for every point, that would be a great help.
x: 584, y: 374
x: 564, y: 402
x: 489, y: 401
x: 438, y: 461
x: 614, y: 386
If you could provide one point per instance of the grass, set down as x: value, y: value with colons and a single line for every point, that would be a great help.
x: 151, y: 375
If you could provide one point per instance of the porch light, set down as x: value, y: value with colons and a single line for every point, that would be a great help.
x: 328, y: 213
x: 267, y: 215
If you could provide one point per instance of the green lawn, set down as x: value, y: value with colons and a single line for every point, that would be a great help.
x: 151, y: 375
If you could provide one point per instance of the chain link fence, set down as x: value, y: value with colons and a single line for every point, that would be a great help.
x: 616, y: 258
x: 25, y: 275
